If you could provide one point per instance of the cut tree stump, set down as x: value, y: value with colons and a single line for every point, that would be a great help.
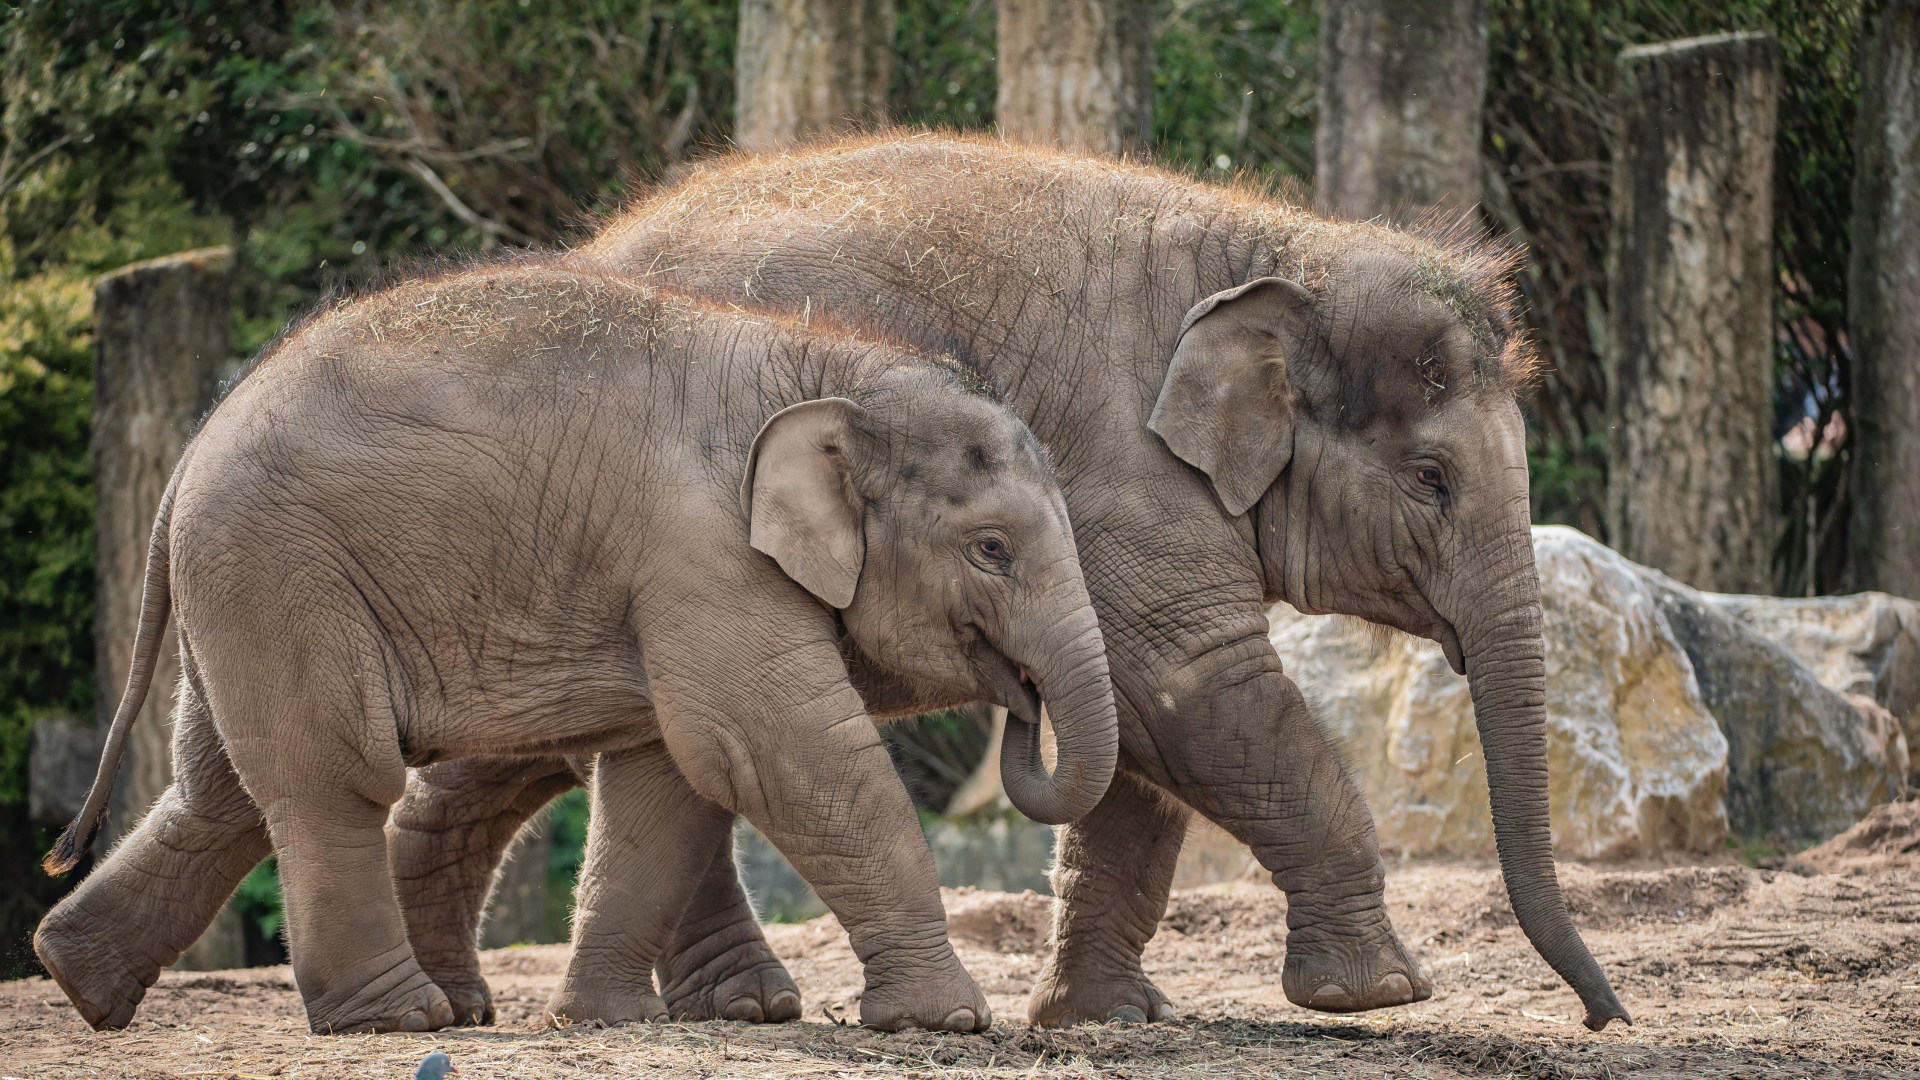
x: 1077, y: 73
x: 811, y: 66
x: 1401, y: 88
x: 160, y: 340
x: 1883, y: 286
x: 1689, y: 344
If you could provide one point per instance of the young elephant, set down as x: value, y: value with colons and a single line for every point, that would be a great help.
x: 528, y: 511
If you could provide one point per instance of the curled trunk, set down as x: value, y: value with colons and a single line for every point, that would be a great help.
x: 1072, y: 681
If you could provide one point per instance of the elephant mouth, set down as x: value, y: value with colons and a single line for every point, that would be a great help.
x: 1449, y: 640
x: 1008, y: 684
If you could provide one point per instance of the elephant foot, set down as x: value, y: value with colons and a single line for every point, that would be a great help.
x: 746, y: 982
x: 946, y: 999
x: 402, y: 1000
x: 1126, y: 997
x: 104, y: 984
x: 472, y: 1001
x: 581, y: 1001
x: 1338, y: 975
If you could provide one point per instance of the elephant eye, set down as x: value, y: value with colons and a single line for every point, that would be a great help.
x: 1428, y: 475
x: 992, y: 554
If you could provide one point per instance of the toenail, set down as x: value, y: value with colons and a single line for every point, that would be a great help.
x: 1163, y: 1012
x: 743, y: 1008
x: 960, y: 1020
x: 415, y: 1020
x: 1331, y: 996
x: 1395, y: 987
x: 785, y: 1005
x: 1128, y: 1014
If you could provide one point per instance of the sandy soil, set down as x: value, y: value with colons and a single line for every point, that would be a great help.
x: 1810, y: 970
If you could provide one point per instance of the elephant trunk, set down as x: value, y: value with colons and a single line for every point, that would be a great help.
x: 1505, y: 658
x: 1067, y: 664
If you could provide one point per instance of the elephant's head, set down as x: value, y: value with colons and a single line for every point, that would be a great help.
x: 1369, y: 425
x: 929, y: 515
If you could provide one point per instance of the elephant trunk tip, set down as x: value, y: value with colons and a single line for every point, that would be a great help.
x: 1603, y: 1008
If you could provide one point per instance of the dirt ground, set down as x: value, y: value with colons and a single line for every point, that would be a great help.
x: 1809, y: 970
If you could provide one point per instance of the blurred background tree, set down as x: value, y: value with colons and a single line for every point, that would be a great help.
x: 328, y: 140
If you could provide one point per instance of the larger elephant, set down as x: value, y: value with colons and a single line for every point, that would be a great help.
x: 533, y: 511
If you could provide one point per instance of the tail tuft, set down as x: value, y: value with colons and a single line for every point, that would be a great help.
x: 67, y: 851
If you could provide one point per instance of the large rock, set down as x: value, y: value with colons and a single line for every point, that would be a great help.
x: 1804, y: 761
x: 1866, y: 644
x: 1638, y: 762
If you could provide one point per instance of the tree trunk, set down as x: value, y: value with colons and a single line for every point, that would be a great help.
x: 809, y: 66
x: 1077, y: 73
x: 1689, y: 346
x: 1401, y: 86
x: 520, y: 911
x: 1883, y: 286
x: 160, y: 338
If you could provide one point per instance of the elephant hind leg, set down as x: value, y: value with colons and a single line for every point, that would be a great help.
x: 309, y: 720
x: 719, y: 966
x: 109, y: 939
x: 649, y: 839
x: 446, y: 839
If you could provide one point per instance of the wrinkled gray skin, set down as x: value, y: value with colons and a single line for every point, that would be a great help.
x: 535, y: 512
x: 1245, y: 403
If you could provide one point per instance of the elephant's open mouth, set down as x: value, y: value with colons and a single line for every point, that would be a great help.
x: 1008, y: 684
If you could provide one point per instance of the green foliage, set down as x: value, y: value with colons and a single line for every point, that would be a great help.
x: 1233, y: 84
x: 567, y: 819
x: 259, y: 902
x: 943, y: 64
x: 46, y: 510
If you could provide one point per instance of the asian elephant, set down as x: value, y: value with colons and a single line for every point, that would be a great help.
x: 1245, y: 403
x: 533, y: 510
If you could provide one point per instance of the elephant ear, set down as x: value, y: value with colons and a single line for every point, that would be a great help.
x: 1224, y: 408
x: 799, y: 498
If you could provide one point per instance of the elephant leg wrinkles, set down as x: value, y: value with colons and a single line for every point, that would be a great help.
x: 719, y: 966
x: 446, y: 839
x: 649, y: 842
x: 1229, y: 735
x: 325, y: 792
x: 1268, y: 775
x: 1112, y: 873
x: 107, y: 941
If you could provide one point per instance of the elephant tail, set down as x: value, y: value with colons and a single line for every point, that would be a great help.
x: 156, y: 600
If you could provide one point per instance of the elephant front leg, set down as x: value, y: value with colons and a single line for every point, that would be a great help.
x: 719, y: 966
x: 1112, y: 872
x: 768, y: 726
x: 1245, y: 751
x: 446, y: 838
x: 650, y: 840
x: 843, y: 819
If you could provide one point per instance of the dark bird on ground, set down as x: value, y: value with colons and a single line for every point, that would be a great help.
x: 435, y: 1067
